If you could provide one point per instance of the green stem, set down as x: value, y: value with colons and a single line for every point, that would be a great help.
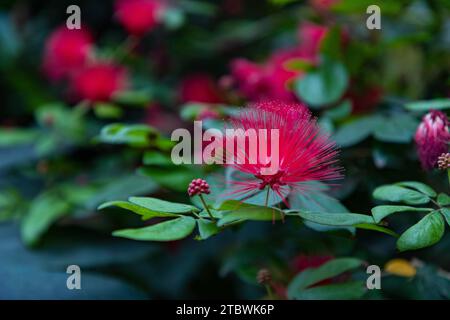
x: 206, y: 207
x: 269, y: 291
x: 448, y: 175
x: 266, y: 203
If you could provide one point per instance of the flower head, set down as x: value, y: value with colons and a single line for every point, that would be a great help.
x: 65, y: 51
x: 198, y: 186
x: 99, y: 81
x: 305, y: 154
x: 139, y: 16
x: 432, y: 138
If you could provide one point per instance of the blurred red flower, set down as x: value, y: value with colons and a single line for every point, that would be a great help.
x: 139, y: 16
x: 432, y: 138
x: 302, y: 262
x: 66, y: 51
x: 323, y: 5
x: 199, y: 87
x: 311, y: 36
x: 271, y: 79
x: 364, y: 100
x: 99, y: 81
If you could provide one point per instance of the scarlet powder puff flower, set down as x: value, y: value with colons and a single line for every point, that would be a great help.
x: 139, y: 16
x: 99, y: 81
x: 305, y: 153
x: 199, y: 87
x: 432, y: 138
x: 65, y: 51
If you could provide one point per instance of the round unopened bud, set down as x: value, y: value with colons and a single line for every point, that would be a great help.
x: 198, y: 186
x: 263, y: 276
x: 444, y: 161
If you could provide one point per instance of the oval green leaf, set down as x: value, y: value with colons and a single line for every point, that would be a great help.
x: 336, y: 219
x: 165, y: 231
x: 419, y: 186
x: 324, y: 85
x: 423, y: 234
x: 395, y: 193
x: 144, y: 212
x: 250, y: 212
x: 159, y: 205
x: 381, y: 212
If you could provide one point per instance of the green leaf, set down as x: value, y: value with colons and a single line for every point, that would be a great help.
x: 207, y: 228
x: 336, y: 291
x: 381, y: 212
x: 311, y: 276
x: 355, y: 131
x: 375, y: 227
x: 360, y: 6
x: 443, y: 199
x: 446, y: 213
x: 331, y: 44
x: 144, y: 212
x: 44, y: 211
x: 395, y: 193
x: 155, y: 158
x: 336, y: 219
x: 12, y: 137
x: 423, y: 234
x: 230, y: 205
x: 339, y: 112
x: 107, y: 111
x: 396, y: 128
x: 250, y: 212
x: 437, y: 104
x: 134, y: 135
x: 136, y: 98
x: 323, y: 86
x: 165, y: 231
x: 298, y: 64
x: 173, y: 18
x: 318, y: 202
x: 157, y: 205
x: 216, y: 214
x: 419, y: 186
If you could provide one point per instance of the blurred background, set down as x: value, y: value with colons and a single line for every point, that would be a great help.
x: 86, y: 117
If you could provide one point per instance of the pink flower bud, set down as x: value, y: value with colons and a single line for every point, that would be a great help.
x: 198, y: 186
x: 432, y: 138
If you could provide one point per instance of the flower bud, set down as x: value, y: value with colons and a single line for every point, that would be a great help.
x: 432, y: 138
x: 198, y: 186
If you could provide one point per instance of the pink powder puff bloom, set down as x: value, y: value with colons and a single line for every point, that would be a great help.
x: 306, y: 154
x: 432, y: 138
x: 139, y: 16
x: 98, y: 82
x: 66, y: 51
